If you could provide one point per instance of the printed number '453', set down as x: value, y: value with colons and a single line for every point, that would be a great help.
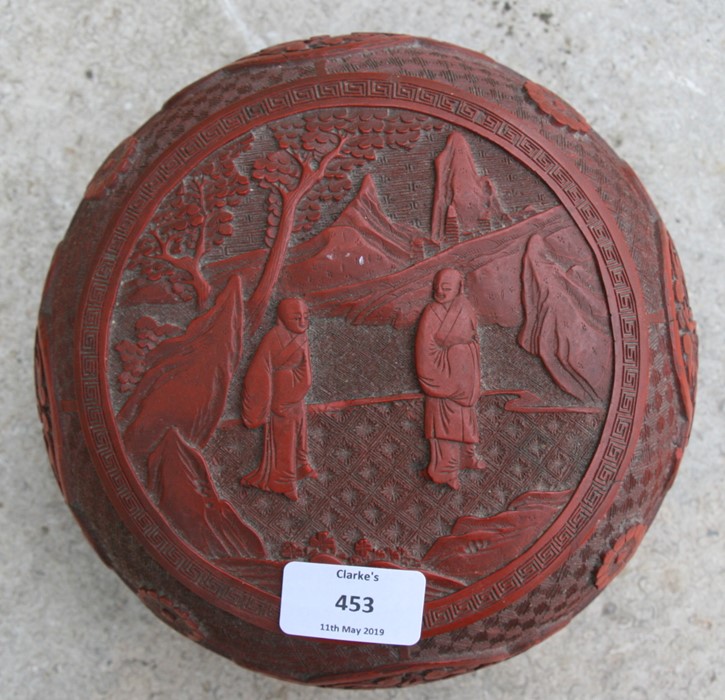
x: 355, y: 603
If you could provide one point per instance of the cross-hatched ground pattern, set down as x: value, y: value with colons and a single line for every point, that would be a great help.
x: 371, y: 461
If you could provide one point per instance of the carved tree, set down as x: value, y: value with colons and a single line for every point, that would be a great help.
x: 133, y: 354
x: 316, y: 153
x: 184, y: 228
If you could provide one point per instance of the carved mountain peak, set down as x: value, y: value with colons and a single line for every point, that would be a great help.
x: 464, y: 202
x: 363, y: 243
x: 366, y: 214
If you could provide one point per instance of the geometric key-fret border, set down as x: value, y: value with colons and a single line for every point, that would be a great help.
x: 521, y: 140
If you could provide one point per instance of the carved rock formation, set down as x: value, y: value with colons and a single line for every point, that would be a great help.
x: 464, y: 202
x: 478, y: 546
x: 188, y: 378
x: 565, y: 322
x: 179, y: 479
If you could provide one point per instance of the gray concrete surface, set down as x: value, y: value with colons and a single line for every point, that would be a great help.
x: 77, y: 76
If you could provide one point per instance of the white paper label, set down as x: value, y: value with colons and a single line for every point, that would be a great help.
x: 352, y: 603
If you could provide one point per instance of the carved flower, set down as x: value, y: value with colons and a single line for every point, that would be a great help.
x: 363, y: 547
x: 315, y: 42
x: 179, y: 618
x: 116, y: 164
x: 559, y: 110
x: 686, y: 324
x: 292, y: 550
x: 618, y: 556
x: 323, y: 542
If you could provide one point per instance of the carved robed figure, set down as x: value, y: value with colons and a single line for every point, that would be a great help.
x: 447, y: 360
x: 275, y: 386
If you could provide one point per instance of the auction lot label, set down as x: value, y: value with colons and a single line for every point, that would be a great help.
x: 352, y: 603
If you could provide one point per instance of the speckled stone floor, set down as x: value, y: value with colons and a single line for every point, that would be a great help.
x: 78, y: 76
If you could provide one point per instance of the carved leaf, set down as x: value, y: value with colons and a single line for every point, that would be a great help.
x: 277, y: 169
x: 197, y: 216
x: 149, y: 334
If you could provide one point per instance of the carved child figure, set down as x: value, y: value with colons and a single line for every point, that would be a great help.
x: 274, y: 391
x: 448, y: 365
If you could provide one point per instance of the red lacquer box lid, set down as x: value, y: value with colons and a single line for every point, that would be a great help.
x: 366, y: 301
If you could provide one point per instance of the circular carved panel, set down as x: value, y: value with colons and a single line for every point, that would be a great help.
x: 372, y: 318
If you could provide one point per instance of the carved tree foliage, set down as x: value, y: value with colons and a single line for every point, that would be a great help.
x: 133, y: 355
x: 187, y: 225
x: 317, y: 152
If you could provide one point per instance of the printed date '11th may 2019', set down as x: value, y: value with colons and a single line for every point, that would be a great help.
x: 349, y: 629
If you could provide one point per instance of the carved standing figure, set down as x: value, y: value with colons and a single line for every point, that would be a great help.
x: 274, y: 391
x: 448, y: 365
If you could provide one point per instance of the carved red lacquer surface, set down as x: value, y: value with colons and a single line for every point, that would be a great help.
x: 367, y: 314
